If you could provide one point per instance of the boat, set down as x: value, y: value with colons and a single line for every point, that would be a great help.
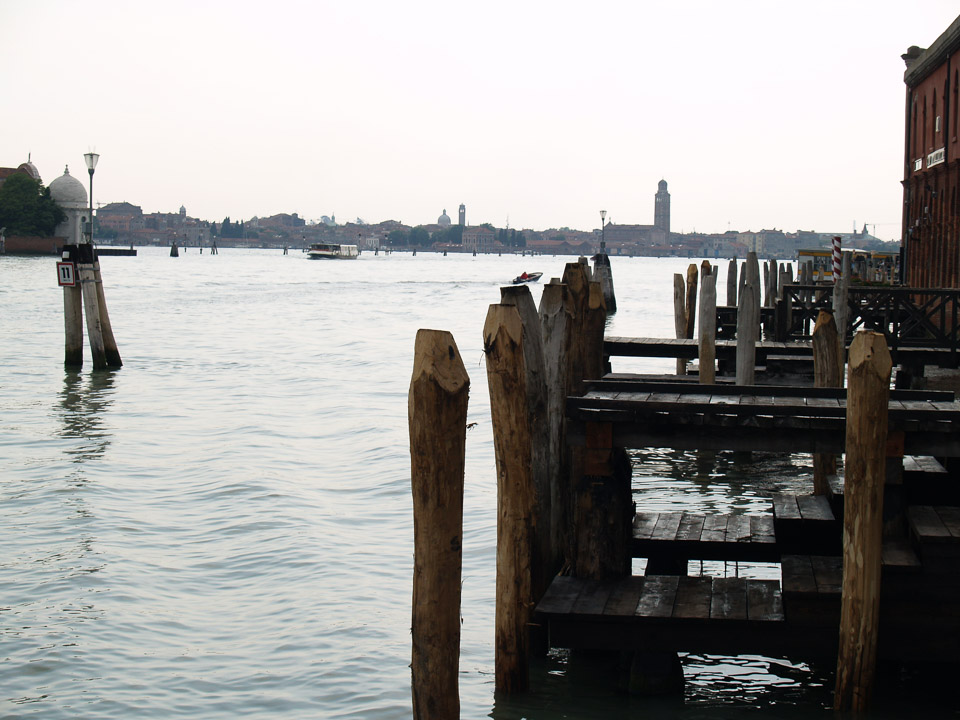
x: 332, y: 251
x: 527, y: 277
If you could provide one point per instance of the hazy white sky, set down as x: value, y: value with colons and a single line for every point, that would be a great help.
x: 758, y: 114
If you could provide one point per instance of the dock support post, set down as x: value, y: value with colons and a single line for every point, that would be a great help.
x: 680, y: 316
x: 544, y: 561
x: 72, y: 317
x: 826, y: 373
x: 91, y: 309
x: 437, y: 416
x: 747, y: 328
x: 556, y: 322
x: 732, y: 282
x: 865, y: 470
x: 110, y: 349
x: 516, y: 495
x: 707, y: 329
x: 603, y: 273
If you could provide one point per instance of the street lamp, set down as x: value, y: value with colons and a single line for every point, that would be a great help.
x: 603, y: 244
x: 90, y: 159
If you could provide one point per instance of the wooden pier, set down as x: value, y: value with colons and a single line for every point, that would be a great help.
x: 797, y: 615
x: 866, y: 568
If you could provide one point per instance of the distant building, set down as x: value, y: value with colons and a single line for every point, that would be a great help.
x: 444, y: 220
x: 69, y: 193
x: 27, y: 168
x: 479, y: 239
x: 661, y: 207
x: 463, y: 215
x: 931, y: 174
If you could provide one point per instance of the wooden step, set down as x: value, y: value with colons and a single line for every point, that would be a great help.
x: 805, y: 524
x: 682, y: 536
x: 936, y: 531
x: 696, y: 614
x: 927, y: 482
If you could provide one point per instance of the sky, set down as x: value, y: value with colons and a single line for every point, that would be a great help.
x: 535, y: 115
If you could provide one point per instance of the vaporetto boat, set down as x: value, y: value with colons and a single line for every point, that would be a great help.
x: 332, y: 251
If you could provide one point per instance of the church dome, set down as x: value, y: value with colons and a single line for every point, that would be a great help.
x: 68, y: 192
x: 443, y: 219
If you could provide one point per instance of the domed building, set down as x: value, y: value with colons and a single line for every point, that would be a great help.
x: 444, y: 220
x: 71, y: 196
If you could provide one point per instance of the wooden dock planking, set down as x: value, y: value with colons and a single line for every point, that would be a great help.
x: 658, y: 597
x: 704, y: 537
x: 728, y: 600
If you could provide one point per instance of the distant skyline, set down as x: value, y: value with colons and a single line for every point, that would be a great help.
x: 757, y: 114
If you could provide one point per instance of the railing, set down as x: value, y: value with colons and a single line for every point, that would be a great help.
x: 908, y: 317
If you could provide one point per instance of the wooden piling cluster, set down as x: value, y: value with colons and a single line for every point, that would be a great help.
x: 549, y: 515
x: 87, y: 299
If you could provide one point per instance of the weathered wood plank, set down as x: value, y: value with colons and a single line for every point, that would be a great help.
x: 797, y: 574
x: 658, y: 596
x: 560, y: 595
x: 729, y: 599
x: 828, y: 572
x: 785, y: 507
x: 625, y: 598
x: 667, y: 526
x: 593, y: 597
x: 814, y: 508
x: 693, y: 598
x: 644, y: 524
x: 764, y: 601
x: 714, y: 528
x: 691, y: 527
x: 927, y: 525
x: 761, y: 529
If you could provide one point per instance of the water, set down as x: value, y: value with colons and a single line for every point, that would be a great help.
x: 223, y: 527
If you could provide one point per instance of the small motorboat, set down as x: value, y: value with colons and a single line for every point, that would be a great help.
x: 527, y: 277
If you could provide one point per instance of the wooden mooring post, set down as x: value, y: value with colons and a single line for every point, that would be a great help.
x: 865, y: 470
x: 748, y: 323
x: 87, y: 299
x: 507, y: 380
x: 707, y: 328
x: 556, y: 325
x: 437, y: 416
x: 826, y: 373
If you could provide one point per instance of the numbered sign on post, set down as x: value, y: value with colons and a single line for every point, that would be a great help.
x: 66, y: 274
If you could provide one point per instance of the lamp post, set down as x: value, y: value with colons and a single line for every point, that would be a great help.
x: 603, y: 244
x: 90, y: 159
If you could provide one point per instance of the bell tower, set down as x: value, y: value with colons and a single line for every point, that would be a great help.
x: 661, y: 208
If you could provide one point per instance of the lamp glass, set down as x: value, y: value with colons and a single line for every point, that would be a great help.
x: 603, y: 214
x: 91, y: 159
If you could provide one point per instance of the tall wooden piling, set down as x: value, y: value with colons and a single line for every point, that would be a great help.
x: 707, y: 328
x: 110, y: 350
x: 516, y: 495
x: 866, y: 439
x: 603, y: 273
x: 556, y: 322
x: 680, y: 316
x: 732, y: 282
x: 437, y: 414
x: 826, y: 373
x: 748, y: 326
x: 72, y: 315
x: 544, y: 561
x: 91, y: 310
x: 691, y: 302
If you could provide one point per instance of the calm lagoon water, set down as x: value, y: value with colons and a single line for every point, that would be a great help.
x: 223, y: 527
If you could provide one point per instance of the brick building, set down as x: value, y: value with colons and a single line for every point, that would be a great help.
x: 931, y: 174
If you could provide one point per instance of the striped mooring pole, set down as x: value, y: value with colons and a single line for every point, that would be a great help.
x: 836, y: 258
